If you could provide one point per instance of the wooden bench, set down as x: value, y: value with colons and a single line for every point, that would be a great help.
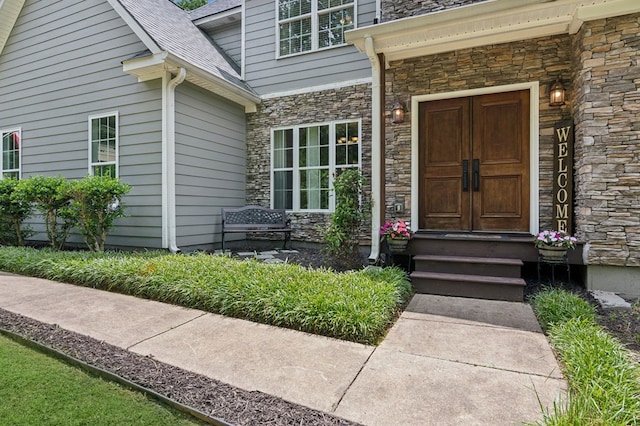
x: 255, y: 219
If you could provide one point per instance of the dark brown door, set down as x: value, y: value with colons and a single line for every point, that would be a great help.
x: 474, y: 163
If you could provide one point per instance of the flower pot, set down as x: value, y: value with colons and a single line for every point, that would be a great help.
x: 552, y: 254
x: 397, y: 245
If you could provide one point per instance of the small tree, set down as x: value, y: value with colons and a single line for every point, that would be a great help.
x: 13, y: 211
x: 190, y: 4
x: 97, y: 202
x: 52, y: 199
x: 342, y: 237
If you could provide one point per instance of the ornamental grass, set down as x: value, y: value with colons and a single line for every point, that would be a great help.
x: 358, y: 306
x: 604, y: 381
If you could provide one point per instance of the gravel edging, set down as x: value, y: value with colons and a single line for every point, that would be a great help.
x: 210, y: 396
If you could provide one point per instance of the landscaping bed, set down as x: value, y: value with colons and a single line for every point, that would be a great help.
x: 214, y: 398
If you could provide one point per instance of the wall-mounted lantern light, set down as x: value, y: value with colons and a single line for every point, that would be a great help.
x: 397, y: 113
x: 556, y: 93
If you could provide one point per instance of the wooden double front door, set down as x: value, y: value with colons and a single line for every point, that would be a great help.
x: 474, y: 163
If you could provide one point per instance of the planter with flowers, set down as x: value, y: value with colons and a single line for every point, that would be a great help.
x: 397, y: 235
x: 553, y: 245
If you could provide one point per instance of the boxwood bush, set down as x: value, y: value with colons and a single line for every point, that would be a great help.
x: 358, y: 306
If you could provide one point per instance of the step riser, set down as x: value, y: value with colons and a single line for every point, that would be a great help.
x: 472, y: 248
x: 468, y: 289
x: 468, y: 268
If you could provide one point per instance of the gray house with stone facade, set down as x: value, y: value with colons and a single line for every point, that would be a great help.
x: 261, y: 101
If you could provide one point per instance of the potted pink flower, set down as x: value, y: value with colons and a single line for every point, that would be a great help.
x: 397, y: 234
x: 554, y: 244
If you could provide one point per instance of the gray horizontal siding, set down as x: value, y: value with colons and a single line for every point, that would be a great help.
x: 63, y: 63
x: 210, y: 163
x: 229, y: 39
x: 267, y: 75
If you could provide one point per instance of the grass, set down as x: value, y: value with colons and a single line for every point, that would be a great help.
x: 357, y: 306
x: 36, y: 389
x: 604, y: 382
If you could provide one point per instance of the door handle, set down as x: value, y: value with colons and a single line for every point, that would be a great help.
x: 476, y: 174
x: 465, y: 175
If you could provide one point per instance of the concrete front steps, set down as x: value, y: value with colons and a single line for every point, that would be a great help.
x: 483, y: 266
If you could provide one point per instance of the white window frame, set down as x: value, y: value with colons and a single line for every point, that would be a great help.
x: 315, y: 26
x: 296, y: 162
x: 19, y: 169
x: 117, y: 142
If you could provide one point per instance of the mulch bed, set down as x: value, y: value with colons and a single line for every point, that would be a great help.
x: 214, y: 398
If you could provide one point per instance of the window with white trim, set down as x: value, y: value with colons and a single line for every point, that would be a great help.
x: 307, y: 25
x: 305, y: 159
x: 103, y: 145
x: 11, y: 142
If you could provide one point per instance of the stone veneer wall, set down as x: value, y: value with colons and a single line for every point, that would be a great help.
x: 397, y: 9
x: 541, y: 59
x: 351, y: 102
x: 606, y: 110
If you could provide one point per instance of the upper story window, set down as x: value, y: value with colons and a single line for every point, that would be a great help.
x: 11, y: 153
x: 306, y: 158
x: 103, y: 145
x: 306, y: 25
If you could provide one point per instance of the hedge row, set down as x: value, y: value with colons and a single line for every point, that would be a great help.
x: 90, y: 205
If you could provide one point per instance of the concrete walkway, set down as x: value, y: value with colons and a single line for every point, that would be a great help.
x: 447, y: 361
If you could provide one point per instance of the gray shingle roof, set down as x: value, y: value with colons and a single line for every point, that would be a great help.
x: 214, y: 7
x: 171, y: 28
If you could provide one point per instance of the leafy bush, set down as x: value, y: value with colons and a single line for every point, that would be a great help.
x: 52, y: 199
x: 555, y: 306
x: 358, y: 306
x: 342, y: 237
x: 14, y: 209
x: 604, y: 382
x: 97, y: 202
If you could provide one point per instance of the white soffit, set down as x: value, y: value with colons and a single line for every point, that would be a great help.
x: 490, y: 22
x: 154, y: 66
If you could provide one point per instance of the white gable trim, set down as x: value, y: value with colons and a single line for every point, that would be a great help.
x: 9, y: 12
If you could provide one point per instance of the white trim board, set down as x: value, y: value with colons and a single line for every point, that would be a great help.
x: 534, y: 143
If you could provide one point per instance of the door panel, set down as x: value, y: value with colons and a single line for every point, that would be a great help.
x: 501, y: 141
x: 490, y: 132
x: 443, y: 203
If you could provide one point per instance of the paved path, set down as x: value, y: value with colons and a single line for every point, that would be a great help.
x: 447, y: 361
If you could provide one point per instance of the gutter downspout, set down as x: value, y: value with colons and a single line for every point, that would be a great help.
x: 169, y: 238
x: 376, y: 150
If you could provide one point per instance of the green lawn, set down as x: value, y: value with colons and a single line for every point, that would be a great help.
x: 39, y: 390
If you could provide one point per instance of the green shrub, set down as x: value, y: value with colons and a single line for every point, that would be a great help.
x: 97, y: 203
x: 14, y: 209
x: 555, y: 306
x: 52, y: 199
x: 342, y: 237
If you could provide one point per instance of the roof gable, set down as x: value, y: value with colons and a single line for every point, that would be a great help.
x: 169, y: 34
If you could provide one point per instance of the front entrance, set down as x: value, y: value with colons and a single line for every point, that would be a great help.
x: 474, y: 163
